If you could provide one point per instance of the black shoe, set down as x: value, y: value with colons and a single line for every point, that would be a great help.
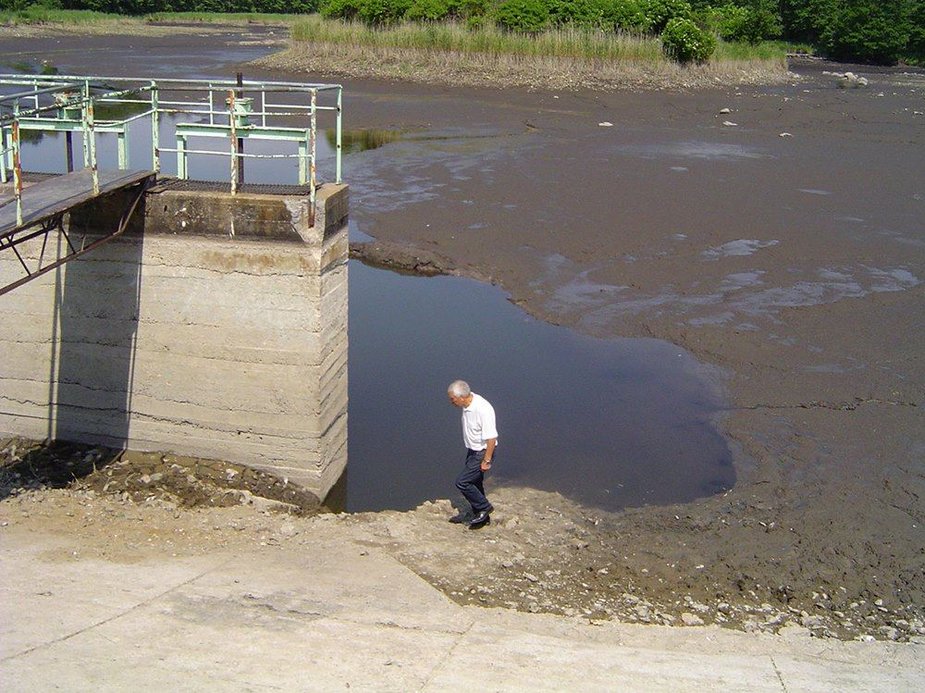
x: 483, y: 518
x: 461, y: 519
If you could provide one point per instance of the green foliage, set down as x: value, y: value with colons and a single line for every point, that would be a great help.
x: 383, y: 12
x: 340, y: 9
x: 803, y: 20
x: 624, y: 15
x: 684, y: 41
x: 867, y: 31
x: 430, y: 10
x: 876, y: 31
x: 475, y: 8
x: 726, y: 21
x: 752, y: 21
x: 763, y: 22
x: 585, y: 13
x: 522, y: 16
x: 659, y: 12
x: 915, y: 49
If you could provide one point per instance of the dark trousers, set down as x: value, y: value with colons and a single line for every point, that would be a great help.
x: 469, y: 481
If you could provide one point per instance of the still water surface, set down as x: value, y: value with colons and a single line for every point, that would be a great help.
x: 609, y: 423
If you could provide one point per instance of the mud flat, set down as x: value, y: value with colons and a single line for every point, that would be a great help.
x: 774, y: 232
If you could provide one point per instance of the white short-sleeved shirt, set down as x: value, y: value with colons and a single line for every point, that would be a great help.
x: 478, y: 423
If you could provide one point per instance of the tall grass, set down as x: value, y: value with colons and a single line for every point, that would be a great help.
x: 223, y: 17
x: 452, y: 37
x: 37, y: 14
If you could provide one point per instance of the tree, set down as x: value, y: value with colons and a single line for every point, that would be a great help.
x: 870, y: 31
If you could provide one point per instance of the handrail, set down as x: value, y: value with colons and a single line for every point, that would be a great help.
x: 237, y: 109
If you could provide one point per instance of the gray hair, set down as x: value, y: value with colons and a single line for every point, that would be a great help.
x: 459, y: 388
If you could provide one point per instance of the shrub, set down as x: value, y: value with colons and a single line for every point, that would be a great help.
x: 382, y: 12
x: 762, y: 21
x: 340, y: 9
x: 684, y: 41
x: 659, y: 12
x: 624, y: 15
x: 588, y: 13
x: 751, y: 23
x: 726, y: 21
x: 428, y: 10
x: 474, y: 8
x: 522, y: 16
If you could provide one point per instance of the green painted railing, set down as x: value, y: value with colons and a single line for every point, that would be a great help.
x: 226, y: 113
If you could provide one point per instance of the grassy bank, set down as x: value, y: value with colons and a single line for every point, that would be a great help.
x: 568, y: 58
x: 446, y: 52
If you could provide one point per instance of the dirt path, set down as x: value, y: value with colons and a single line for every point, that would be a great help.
x: 775, y: 233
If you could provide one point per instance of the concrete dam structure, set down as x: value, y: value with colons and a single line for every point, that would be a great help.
x: 213, y: 326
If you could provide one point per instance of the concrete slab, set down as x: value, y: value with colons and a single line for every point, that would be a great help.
x: 340, y: 615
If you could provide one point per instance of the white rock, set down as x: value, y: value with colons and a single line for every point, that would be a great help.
x: 730, y: 124
x: 785, y: 134
x: 725, y: 110
x: 689, y: 619
x: 605, y: 124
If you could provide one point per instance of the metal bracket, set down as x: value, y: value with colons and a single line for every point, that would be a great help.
x: 56, y: 223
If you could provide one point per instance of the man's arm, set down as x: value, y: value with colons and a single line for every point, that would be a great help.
x: 489, y: 452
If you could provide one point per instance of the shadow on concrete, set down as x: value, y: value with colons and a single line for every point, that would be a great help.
x: 97, y: 301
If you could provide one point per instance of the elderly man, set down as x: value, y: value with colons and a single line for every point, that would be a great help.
x: 480, y: 436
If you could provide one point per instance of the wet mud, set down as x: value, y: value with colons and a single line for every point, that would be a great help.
x: 776, y: 234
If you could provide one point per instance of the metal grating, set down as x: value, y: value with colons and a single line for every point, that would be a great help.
x: 164, y: 183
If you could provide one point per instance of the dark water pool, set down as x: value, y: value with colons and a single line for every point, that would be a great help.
x: 610, y: 423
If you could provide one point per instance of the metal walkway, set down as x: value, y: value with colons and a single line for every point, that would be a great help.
x: 40, y: 208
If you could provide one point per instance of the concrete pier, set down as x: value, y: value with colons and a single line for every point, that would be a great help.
x: 215, y: 327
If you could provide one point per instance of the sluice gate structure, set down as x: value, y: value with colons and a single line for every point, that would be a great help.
x: 173, y: 269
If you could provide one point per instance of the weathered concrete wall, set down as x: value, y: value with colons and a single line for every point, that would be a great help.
x: 184, y: 336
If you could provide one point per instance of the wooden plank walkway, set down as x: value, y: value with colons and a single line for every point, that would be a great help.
x: 43, y: 200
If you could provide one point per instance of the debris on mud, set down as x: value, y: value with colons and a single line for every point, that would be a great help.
x: 189, y: 482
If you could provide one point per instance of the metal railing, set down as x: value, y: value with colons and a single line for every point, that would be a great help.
x: 226, y: 112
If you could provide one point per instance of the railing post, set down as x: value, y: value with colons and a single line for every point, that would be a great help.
x: 94, y: 173
x: 181, y: 157
x: 338, y: 145
x: 234, y: 141
x: 312, y: 141
x: 303, y: 160
x: 155, y: 130
x: 122, y: 147
x: 17, y: 173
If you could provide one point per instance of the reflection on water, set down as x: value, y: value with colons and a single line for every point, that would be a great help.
x: 46, y: 152
x: 610, y: 423
x: 354, y: 141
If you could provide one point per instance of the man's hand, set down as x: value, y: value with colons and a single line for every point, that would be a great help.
x: 489, y: 453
